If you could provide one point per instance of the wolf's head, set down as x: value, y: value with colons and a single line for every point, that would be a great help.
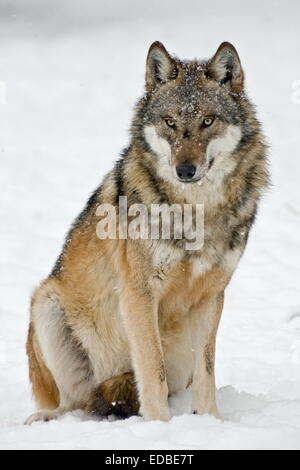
x: 194, y: 114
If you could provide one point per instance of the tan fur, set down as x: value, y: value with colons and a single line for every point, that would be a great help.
x: 43, y: 386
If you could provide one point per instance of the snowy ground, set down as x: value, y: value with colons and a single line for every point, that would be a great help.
x: 72, y: 76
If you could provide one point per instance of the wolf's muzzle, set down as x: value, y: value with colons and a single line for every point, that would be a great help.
x: 185, y: 171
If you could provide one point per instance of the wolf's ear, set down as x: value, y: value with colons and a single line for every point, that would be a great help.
x: 160, y: 66
x: 225, y: 67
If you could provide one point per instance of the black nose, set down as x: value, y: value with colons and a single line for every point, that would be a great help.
x: 185, y: 171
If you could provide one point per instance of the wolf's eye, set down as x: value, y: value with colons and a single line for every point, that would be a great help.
x: 170, y: 122
x: 208, y: 121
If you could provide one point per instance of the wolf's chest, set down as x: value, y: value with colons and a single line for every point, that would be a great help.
x: 165, y: 257
x: 171, y: 263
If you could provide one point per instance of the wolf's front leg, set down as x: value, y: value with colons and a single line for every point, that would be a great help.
x: 139, y: 313
x: 140, y: 320
x: 205, y: 323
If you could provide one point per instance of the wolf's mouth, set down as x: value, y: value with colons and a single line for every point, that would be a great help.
x: 190, y: 181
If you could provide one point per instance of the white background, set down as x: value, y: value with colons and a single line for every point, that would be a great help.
x: 73, y: 71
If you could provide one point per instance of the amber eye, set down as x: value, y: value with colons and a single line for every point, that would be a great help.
x: 170, y: 122
x: 208, y: 121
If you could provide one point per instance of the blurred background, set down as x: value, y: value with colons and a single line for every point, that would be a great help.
x: 70, y: 73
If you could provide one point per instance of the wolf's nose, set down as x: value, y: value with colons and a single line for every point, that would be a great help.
x: 185, y: 171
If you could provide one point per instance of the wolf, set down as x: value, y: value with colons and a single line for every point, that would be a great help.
x: 120, y: 324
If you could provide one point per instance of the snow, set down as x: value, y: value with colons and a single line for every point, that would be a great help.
x: 72, y: 75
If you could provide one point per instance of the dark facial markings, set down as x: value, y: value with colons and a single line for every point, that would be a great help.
x: 211, y: 163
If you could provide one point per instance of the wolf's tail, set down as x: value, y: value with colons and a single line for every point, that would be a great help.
x: 116, y: 396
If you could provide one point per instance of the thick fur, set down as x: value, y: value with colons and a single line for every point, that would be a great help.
x: 116, y: 396
x: 110, y: 307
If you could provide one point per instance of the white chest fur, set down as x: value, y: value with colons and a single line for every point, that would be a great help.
x: 164, y: 257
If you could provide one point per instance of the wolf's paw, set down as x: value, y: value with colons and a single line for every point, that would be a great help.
x: 46, y: 415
